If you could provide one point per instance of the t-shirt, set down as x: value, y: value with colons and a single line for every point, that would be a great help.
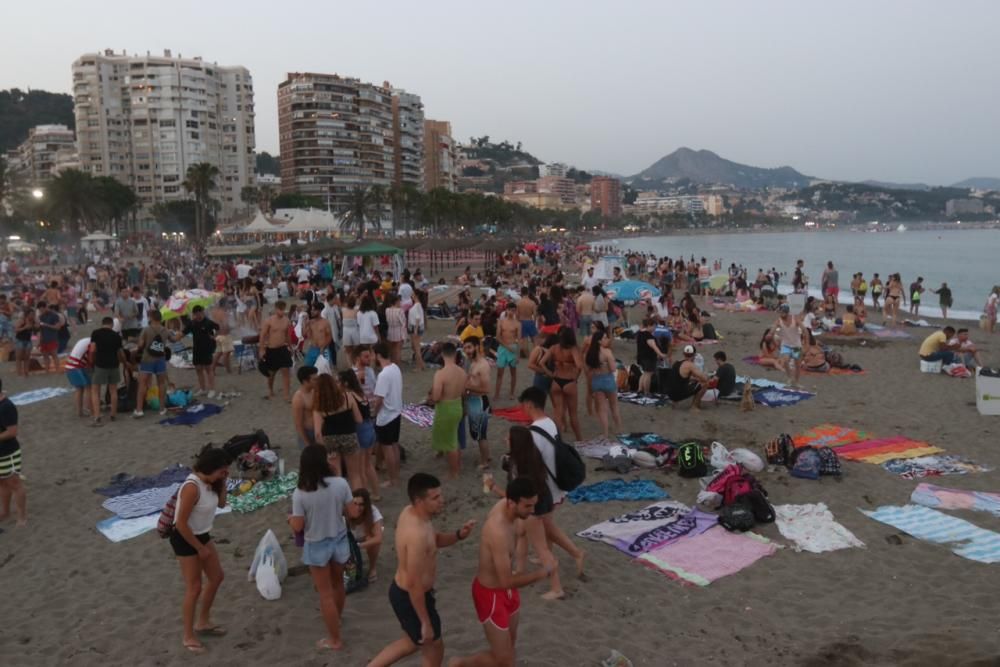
x: 126, y: 310
x: 389, y: 386
x: 106, y: 345
x: 202, y: 335
x: 933, y: 343
x: 589, y: 281
x: 548, y: 453
x: 243, y: 271
x: 47, y: 334
x: 323, y: 509
x: 78, y: 355
x: 470, y: 330
x: 8, y: 418
x: 359, y: 530
x: 367, y: 326
x: 302, y: 275
x: 368, y: 383
x: 726, y: 374
x: 406, y: 293
x: 146, y: 340
x: 644, y: 352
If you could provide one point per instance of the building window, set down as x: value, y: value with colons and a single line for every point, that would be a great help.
x: 192, y: 124
x: 167, y: 123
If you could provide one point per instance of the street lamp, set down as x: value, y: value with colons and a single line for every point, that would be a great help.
x: 37, y: 193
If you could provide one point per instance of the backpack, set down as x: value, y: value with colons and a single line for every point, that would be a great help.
x: 570, y: 469
x: 691, y: 460
x: 157, y: 348
x: 778, y: 452
x: 759, y: 504
x: 736, y: 487
x: 165, y: 524
x: 241, y: 444
x: 806, y: 463
x: 621, y: 379
x: 737, y: 517
x: 634, y: 373
x: 829, y: 462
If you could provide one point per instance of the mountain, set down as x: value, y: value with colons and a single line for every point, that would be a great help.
x: 980, y: 183
x: 708, y: 168
x: 885, y: 185
x: 21, y: 110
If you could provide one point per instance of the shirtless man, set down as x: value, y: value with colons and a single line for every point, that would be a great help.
x: 319, y: 335
x: 477, y: 405
x: 790, y: 334
x: 509, y: 338
x: 302, y: 406
x: 446, y: 395
x: 412, y: 591
x: 527, y: 313
x: 494, y: 590
x: 277, y: 355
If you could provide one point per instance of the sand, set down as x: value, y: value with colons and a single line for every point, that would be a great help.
x: 71, y: 597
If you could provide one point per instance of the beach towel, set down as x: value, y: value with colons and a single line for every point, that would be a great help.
x: 640, y: 440
x: 965, y: 539
x: 702, y: 559
x: 192, y: 414
x: 118, y: 529
x: 634, y: 532
x: 828, y: 435
x: 939, y: 497
x: 617, y: 489
x: 881, y: 450
x: 778, y: 398
x: 597, y: 448
x: 812, y: 528
x: 140, y: 503
x: 888, y: 333
x: 123, y: 483
x: 421, y: 415
x: 265, y: 493
x: 645, y: 400
x: 932, y: 466
x: 761, y: 383
x: 36, y: 395
x: 514, y: 414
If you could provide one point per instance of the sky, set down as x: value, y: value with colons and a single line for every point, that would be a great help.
x: 894, y: 90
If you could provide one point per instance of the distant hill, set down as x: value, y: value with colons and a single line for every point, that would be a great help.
x: 897, y: 186
x: 21, y: 110
x: 705, y: 167
x: 980, y: 183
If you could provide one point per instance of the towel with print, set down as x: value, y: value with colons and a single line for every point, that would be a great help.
x: 634, y: 532
x: 617, y: 489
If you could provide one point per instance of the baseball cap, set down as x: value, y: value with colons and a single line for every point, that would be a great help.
x: 688, y: 349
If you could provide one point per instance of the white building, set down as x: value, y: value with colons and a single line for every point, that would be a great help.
x: 557, y: 169
x: 408, y: 138
x: 47, y: 150
x: 146, y: 119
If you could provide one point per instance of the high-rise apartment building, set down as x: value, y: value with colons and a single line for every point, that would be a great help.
x: 335, y: 135
x: 47, y: 149
x: 146, y: 119
x: 606, y: 196
x: 440, y: 156
x: 407, y: 138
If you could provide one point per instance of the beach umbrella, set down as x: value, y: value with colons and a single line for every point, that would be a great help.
x: 718, y: 281
x: 532, y: 247
x: 182, y: 301
x: 631, y: 291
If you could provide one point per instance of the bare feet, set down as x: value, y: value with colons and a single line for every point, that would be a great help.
x: 554, y: 595
x: 194, y: 646
x: 328, y: 644
x: 579, y: 565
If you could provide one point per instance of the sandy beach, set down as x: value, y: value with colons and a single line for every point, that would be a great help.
x: 71, y: 597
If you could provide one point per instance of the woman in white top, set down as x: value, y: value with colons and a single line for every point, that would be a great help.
x: 368, y: 321
x: 367, y: 528
x: 351, y: 336
x: 200, y: 495
x: 320, y: 505
x: 415, y: 324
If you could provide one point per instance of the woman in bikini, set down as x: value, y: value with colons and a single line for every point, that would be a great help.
x: 543, y: 372
x: 894, y: 295
x: 595, y: 329
x: 769, y: 352
x: 568, y: 364
x: 601, y: 367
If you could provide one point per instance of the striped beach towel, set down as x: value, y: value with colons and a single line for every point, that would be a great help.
x: 880, y: 450
x: 931, y: 495
x: 965, y: 539
x: 932, y: 466
x: 829, y: 435
x: 36, y: 395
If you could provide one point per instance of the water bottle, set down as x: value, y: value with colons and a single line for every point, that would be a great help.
x: 699, y: 362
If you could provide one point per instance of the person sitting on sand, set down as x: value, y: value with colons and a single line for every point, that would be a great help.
x: 849, y: 323
x: 367, y: 525
x: 722, y: 384
x: 967, y: 351
x: 769, y: 347
x: 937, y: 346
x: 687, y: 380
x: 813, y: 356
x: 860, y: 312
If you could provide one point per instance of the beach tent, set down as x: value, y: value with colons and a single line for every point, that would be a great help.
x: 235, y: 251
x: 312, y: 220
x: 261, y: 225
x: 374, y: 249
x: 21, y: 246
x: 97, y: 241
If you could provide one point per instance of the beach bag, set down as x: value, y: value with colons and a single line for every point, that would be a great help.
x: 779, y: 451
x: 165, y: 524
x: 269, y: 549
x: 737, y: 517
x: 759, y: 505
x: 806, y: 463
x: 634, y: 373
x: 829, y: 462
x: 355, y: 578
x: 179, y: 398
x: 736, y: 487
x: 570, y: 470
x: 622, y: 378
x: 157, y: 348
x: 241, y: 444
x: 267, y: 578
x: 691, y: 460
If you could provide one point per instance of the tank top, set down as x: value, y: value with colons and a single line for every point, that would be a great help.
x: 339, y: 423
x: 203, y: 513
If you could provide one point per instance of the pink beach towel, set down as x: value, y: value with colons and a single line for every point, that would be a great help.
x: 701, y: 559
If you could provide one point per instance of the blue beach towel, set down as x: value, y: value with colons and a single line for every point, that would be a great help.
x: 617, y: 489
x: 36, y: 395
x: 773, y: 397
x: 123, y: 483
x: 965, y: 539
x: 192, y: 415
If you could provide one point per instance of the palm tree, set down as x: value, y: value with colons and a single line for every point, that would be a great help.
x: 397, y: 199
x: 3, y: 181
x: 376, y: 194
x: 412, y: 201
x: 265, y: 195
x: 249, y: 196
x: 74, y: 197
x: 200, y: 182
x: 117, y: 200
x: 358, y: 210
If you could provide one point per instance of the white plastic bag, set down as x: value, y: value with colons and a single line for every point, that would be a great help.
x: 267, y: 579
x: 269, y: 546
x: 720, y: 456
x: 749, y: 460
x: 709, y: 501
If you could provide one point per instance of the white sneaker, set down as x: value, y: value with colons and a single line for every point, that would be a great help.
x: 137, y: 414
x: 211, y: 393
x: 198, y: 392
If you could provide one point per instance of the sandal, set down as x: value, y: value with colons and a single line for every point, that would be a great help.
x: 195, y: 647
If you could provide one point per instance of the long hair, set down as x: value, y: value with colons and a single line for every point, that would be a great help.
x: 210, y: 459
x: 567, y: 339
x: 763, y: 338
x: 329, y: 395
x: 367, y: 518
x: 525, y: 456
x: 313, y: 467
x: 594, y: 351
x: 349, y: 379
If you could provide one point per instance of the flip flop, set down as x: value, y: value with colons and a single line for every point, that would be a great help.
x: 213, y: 631
x: 197, y: 649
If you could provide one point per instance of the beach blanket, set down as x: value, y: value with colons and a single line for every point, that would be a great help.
x: 755, y: 361
x: 779, y: 398
x: 939, y: 497
x: 760, y: 383
x: 597, y: 448
x: 965, y: 539
x: 265, y: 493
x: 812, y: 528
x: 140, y: 503
x: 645, y: 400
x: 634, y: 532
x: 36, y: 395
x: 881, y: 450
x: 640, y: 440
x: 514, y: 414
x: 192, y: 414
x: 828, y: 435
x: 888, y: 333
x: 617, y: 489
x: 932, y: 466
x: 123, y: 483
x: 118, y: 529
x: 421, y: 415
x: 702, y: 559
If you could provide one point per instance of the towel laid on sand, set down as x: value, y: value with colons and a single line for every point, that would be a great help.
x: 702, y: 559
x: 828, y: 435
x: 421, y: 415
x: 965, y: 539
x: 514, y: 414
x: 812, y: 528
x: 118, y: 529
x: 634, y: 532
x: 617, y: 489
x: 755, y: 361
x: 777, y: 398
x: 760, y: 383
x: 880, y: 450
x: 192, y: 414
x: 596, y: 448
x: 932, y: 466
x: 123, y: 483
x: 645, y: 400
x: 140, y: 503
x: 887, y: 333
x: 36, y: 395
x: 265, y: 493
x: 931, y: 495
x: 640, y: 440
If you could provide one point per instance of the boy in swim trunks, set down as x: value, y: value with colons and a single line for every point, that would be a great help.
x: 446, y: 393
x: 527, y: 312
x: 509, y: 339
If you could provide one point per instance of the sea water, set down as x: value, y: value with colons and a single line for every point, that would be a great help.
x: 967, y: 260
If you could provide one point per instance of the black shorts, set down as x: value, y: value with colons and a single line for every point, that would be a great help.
x: 685, y: 392
x: 544, y: 505
x: 278, y: 358
x: 388, y: 434
x: 203, y: 357
x: 131, y: 333
x: 647, y: 365
x: 181, y: 546
x: 407, y: 615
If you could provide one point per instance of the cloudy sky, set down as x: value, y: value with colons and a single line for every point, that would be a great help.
x: 893, y: 90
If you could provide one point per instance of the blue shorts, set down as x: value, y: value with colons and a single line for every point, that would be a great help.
x: 477, y: 410
x: 528, y: 329
x: 22, y: 344
x: 603, y: 383
x: 312, y: 354
x: 157, y: 367
x: 506, y: 358
x: 78, y: 378
x: 793, y: 352
x: 319, y: 554
x: 312, y: 438
x: 366, y: 434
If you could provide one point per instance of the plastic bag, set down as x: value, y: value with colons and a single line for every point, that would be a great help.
x: 267, y: 578
x: 747, y: 459
x: 720, y: 456
x: 269, y: 546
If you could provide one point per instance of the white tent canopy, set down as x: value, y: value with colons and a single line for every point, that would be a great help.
x: 311, y: 220
x: 261, y: 225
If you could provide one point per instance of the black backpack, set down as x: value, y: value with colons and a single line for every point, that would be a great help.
x: 241, y: 444
x: 691, y: 460
x: 157, y: 348
x: 738, y: 517
x: 634, y: 373
x: 570, y: 469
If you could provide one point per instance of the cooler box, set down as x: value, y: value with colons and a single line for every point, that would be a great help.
x: 987, y: 394
x: 796, y: 302
x: 931, y: 366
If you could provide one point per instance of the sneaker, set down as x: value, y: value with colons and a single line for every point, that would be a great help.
x: 211, y: 394
x: 137, y: 414
x: 163, y: 412
x: 198, y: 392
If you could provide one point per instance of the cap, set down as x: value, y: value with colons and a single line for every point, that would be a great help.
x: 785, y: 308
x: 688, y: 349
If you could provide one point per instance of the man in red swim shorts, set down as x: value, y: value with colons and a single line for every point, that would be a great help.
x: 494, y: 590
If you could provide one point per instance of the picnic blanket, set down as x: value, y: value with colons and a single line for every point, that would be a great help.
x: 638, y: 531
x: 773, y: 397
x: 887, y: 333
x: 514, y: 414
x: 702, y: 559
x: 36, y: 395
x: 123, y: 483
x: 755, y: 361
x: 140, y: 503
x: 645, y: 400
x: 932, y: 466
x: 939, y: 497
x: 828, y: 435
x: 265, y: 493
x: 965, y: 539
x: 617, y: 489
x: 118, y: 529
x: 811, y: 527
x: 419, y: 414
x: 881, y: 450
x: 192, y: 414
x: 596, y: 448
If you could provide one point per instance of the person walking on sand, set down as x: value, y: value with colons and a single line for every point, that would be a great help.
x: 109, y: 358
x: 508, y: 351
x: 153, y: 362
x: 411, y: 593
x: 916, y: 293
x: 446, y: 393
x: 199, y: 496
x: 477, y: 398
x: 12, y: 489
x: 387, y: 406
x: 790, y: 335
x: 277, y: 354
x: 321, y: 506
x: 495, y: 593
x: 203, y: 331
x: 302, y: 406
